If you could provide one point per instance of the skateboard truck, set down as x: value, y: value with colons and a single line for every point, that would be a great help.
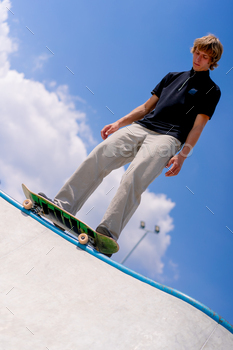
x: 28, y: 204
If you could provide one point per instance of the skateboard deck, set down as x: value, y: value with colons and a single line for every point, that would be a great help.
x: 67, y: 222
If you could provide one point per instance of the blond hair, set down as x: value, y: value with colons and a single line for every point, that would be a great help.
x: 212, y: 46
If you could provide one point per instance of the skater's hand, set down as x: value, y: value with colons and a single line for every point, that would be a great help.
x: 176, y: 162
x: 109, y: 129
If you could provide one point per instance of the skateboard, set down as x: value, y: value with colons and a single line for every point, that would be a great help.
x: 67, y: 222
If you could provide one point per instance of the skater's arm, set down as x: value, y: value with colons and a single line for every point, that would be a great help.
x: 192, y: 138
x: 137, y: 114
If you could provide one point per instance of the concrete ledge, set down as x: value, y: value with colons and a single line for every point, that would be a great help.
x: 56, y: 294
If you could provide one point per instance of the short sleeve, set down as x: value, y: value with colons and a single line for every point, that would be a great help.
x: 158, y: 89
x: 209, y: 101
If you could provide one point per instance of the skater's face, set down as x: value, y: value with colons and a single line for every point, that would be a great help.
x: 201, y: 61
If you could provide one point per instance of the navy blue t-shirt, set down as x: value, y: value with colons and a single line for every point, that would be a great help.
x: 182, y: 96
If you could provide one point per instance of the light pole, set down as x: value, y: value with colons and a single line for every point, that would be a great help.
x: 142, y: 225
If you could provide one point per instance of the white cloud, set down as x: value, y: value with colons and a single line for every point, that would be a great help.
x: 41, y: 145
x: 7, y: 45
x: 175, y: 270
x: 63, y: 93
x: 154, y: 210
x: 38, y: 133
x: 40, y: 61
x: 52, y: 84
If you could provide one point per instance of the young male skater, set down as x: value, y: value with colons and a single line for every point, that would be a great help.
x: 175, y: 115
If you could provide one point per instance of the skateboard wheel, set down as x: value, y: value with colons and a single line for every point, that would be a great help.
x: 27, y: 204
x: 83, y: 238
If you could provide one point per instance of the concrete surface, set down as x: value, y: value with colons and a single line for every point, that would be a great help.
x: 57, y: 296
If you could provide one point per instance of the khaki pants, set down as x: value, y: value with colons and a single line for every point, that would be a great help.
x: 148, y: 152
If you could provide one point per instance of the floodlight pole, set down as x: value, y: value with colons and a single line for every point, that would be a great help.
x: 142, y: 225
x: 122, y: 262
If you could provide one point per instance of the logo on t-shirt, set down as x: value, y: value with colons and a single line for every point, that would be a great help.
x: 192, y: 91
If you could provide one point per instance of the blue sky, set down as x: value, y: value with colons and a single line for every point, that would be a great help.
x: 120, y: 50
